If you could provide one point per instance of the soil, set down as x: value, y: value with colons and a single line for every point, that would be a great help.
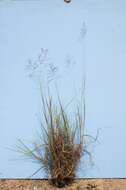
x: 78, y: 184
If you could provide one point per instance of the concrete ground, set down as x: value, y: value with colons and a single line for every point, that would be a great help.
x: 78, y: 184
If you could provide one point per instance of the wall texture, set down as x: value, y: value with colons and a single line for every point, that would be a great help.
x: 90, y: 37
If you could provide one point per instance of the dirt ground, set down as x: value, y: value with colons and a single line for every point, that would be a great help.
x: 79, y: 184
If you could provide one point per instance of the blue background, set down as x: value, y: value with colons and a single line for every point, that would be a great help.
x: 28, y: 26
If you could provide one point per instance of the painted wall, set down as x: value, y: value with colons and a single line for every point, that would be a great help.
x: 28, y: 26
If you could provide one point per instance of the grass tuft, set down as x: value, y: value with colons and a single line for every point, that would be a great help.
x: 63, y: 145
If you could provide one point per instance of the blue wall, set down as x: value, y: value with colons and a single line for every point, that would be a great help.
x: 28, y: 26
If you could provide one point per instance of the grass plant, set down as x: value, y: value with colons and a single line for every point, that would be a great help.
x: 61, y: 141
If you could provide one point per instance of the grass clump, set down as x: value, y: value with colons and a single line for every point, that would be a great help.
x: 61, y: 146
